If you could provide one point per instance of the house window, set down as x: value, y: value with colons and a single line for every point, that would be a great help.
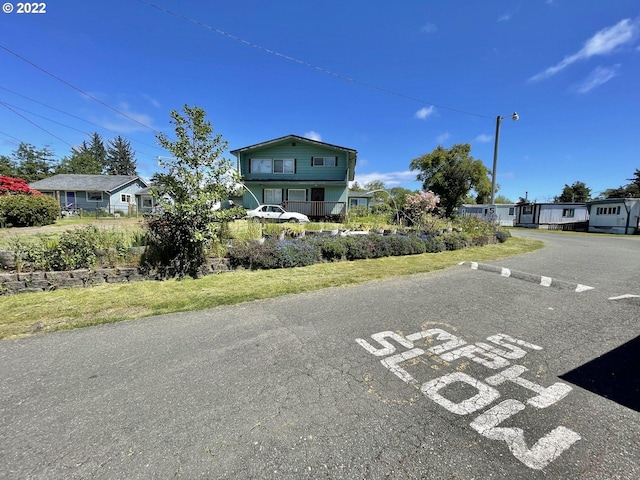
x: 512, y: 210
x: 261, y: 165
x: 124, y: 198
x: 272, y: 195
x: 323, y: 161
x: 297, y: 195
x: 568, y: 212
x: 527, y: 210
x: 147, y: 202
x: 355, y: 202
x: 94, y: 196
x: 283, y: 166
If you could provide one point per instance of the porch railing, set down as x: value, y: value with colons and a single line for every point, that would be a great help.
x: 315, y: 209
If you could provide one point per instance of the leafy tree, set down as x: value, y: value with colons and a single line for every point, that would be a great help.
x: 120, y: 159
x: 451, y: 174
x: 578, y: 192
x: 198, y: 175
x: 502, y: 199
x: 400, y: 195
x: 31, y: 163
x: 376, y: 185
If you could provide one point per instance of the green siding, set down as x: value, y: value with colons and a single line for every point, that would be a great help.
x: 303, y: 169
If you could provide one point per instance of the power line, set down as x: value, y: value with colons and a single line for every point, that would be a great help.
x: 34, y: 123
x: 62, y: 124
x: 308, y: 64
x: 75, y: 116
x: 79, y: 90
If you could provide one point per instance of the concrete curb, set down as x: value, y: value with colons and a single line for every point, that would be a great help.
x: 529, y: 277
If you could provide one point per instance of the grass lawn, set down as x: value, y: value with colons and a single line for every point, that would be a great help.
x: 32, y: 313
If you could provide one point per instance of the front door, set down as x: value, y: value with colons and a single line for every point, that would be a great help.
x: 70, y: 201
x: 317, y: 194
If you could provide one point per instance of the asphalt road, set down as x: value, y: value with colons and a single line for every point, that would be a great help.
x: 466, y: 373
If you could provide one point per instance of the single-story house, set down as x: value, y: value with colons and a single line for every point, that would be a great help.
x: 302, y: 175
x: 565, y: 216
x: 614, y: 215
x: 506, y: 212
x: 112, y: 193
x: 360, y: 199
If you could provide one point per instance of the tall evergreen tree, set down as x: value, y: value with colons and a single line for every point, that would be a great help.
x: 7, y: 167
x: 31, y: 163
x: 81, y: 161
x: 120, y: 159
x: 97, y: 150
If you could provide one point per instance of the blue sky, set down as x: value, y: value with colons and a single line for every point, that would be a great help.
x: 392, y: 81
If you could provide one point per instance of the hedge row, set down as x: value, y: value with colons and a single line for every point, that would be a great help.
x: 304, y: 251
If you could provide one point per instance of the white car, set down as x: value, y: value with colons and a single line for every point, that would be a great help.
x: 275, y: 213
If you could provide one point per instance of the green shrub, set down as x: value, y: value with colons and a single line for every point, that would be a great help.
x: 332, y: 248
x: 502, y: 235
x: 28, y: 210
x: 455, y: 241
x: 253, y: 255
x: 433, y: 244
x: 75, y: 249
x: 297, y: 253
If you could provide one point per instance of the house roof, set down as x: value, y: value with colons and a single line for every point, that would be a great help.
x: 92, y: 183
x: 355, y: 193
x: 287, y: 138
x: 613, y: 200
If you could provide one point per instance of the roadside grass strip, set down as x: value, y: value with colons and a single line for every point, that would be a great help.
x: 529, y: 277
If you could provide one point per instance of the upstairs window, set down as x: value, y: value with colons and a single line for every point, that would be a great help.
x: 286, y: 165
x: 323, y: 161
x: 261, y: 165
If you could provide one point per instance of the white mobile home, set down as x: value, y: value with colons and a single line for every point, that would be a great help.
x: 506, y: 212
x: 614, y: 215
x: 567, y: 216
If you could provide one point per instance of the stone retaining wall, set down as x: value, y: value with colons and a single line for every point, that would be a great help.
x: 12, y: 283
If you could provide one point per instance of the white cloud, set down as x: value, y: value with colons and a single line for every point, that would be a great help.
x: 603, y: 42
x: 484, y: 138
x: 425, y: 112
x: 598, y: 77
x: 443, y: 137
x: 311, y: 135
x: 505, y: 17
x: 390, y: 179
x: 151, y: 100
x: 429, y: 28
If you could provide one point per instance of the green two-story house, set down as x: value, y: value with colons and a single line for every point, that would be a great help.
x: 302, y: 175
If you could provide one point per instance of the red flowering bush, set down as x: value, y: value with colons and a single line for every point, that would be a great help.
x: 11, y: 185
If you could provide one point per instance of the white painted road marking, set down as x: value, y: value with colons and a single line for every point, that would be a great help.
x: 622, y: 297
x: 540, y: 279
x: 543, y: 451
